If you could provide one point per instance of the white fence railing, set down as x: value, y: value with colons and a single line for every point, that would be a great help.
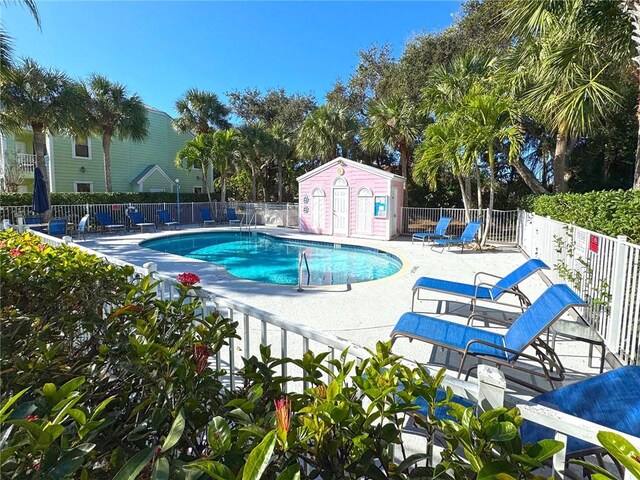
x: 289, y: 339
x: 604, y: 270
x: 274, y: 214
x: 503, y: 227
x: 26, y: 162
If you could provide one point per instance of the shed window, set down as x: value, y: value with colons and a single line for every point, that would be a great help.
x: 364, y: 211
x: 340, y: 182
x: 317, y: 208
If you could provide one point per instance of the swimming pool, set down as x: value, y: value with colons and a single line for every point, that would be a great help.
x: 265, y: 258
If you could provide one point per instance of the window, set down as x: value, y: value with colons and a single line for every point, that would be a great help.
x: 364, y: 211
x: 197, y: 189
x: 81, y: 147
x: 156, y: 190
x: 317, y: 208
x: 85, y: 187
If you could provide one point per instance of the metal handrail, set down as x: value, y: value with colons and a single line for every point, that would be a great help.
x: 254, y: 219
x: 303, y: 255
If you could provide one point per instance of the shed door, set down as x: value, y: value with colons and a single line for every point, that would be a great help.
x: 317, y: 209
x: 340, y: 211
x: 364, y: 211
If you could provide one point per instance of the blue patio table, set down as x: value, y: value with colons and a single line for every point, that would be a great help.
x: 611, y: 399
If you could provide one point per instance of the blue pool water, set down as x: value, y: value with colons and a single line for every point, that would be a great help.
x: 265, y: 258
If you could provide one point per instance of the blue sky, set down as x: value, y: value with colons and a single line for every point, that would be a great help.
x: 160, y: 49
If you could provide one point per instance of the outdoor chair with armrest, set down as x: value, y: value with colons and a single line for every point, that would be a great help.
x: 439, y: 232
x: 466, y: 238
x: 57, y: 227
x: 165, y: 219
x: 480, y: 290
x: 503, y: 350
x: 205, y: 217
x: 106, y: 223
x: 232, y: 217
x: 137, y: 220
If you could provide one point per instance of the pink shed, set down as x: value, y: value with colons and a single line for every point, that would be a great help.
x: 350, y: 199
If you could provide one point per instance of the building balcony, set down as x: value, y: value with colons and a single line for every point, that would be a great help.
x: 26, y: 162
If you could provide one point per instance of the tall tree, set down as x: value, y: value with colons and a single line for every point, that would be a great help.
x: 200, y: 112
x: 43, y: 99
x: 6, y: 44
x: 224, y: 149
x: 327, y: 133
x: 112, y: 111
x: 196, y: 153
x: 395, y: 124
x: 255, y: 150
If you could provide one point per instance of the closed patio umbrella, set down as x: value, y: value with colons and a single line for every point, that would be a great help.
x: 40, y: 200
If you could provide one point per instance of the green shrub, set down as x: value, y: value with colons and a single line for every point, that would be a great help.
x: 71, y: 198
x: 612, y: 213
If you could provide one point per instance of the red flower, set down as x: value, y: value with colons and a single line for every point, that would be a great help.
x: 41, y: 246
x: 32, y: 418
x: 16, y: 252
x: 201, y: 356
x: 283, y: 413
x: 188, y: 279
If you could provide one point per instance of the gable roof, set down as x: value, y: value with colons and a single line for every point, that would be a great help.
x: 148, y: 171
x: 351, y: 163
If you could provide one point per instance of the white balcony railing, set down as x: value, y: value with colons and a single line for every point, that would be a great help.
x: 26, y: 162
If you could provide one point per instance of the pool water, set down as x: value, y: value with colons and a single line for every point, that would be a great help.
x: 265, y: 258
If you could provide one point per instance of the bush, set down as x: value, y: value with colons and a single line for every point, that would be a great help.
x: 612, y: 213
x: 70, y: 198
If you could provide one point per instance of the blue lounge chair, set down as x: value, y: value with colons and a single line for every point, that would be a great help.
x: 106, y: 223
x: 137, y: 220
x: 232, y: 217
x: 466, y: 238
x: 482, y: 290
x: 165, y: 219
x: 82, y: 226
x: 500, y: 349
x: 611, y: 399
x: 205, y: 217
x: 57, y: 227
x: 439, y: 232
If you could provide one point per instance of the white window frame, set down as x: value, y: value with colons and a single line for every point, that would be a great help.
x: 73, y: 148
x: 364, y: 215
x: 76, y: 182
x: 198, y: 190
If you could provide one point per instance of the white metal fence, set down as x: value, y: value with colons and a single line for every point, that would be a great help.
x: 274, y: 214
x: 503, y: 227
x: 604, y: 270
x: 290, y: 339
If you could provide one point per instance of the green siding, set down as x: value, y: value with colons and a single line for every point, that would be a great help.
x: 156, y: 181
x: 128, y: 159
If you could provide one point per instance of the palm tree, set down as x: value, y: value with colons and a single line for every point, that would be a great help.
x: 113, y: 112
x: 394, y: 123
x: 224, y: 148
x: 632, y: 9
x: 197, y: 153
x: 491, y: 121
x: 566, y: 69
x: 6, y: 46
x: 43, y: 99
x: 255, y: 150
x: 200, y: 112
x: 282, y: 150
x: 443, y: 148
x: 327, y: 133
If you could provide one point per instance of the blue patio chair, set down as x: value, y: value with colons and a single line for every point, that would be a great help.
x: 490, y: 346
x: 106, y: 223
x: 82, y: 226
x: 137, y: 220
x: 165, y: 219
x: 611, y: 399
x: 33, y: 220
x: 439, y: 232
x: 205, y: 217
x: 57, y: 227
x: 482, y: 290
x: 232, y: 217
x: 466, y: 238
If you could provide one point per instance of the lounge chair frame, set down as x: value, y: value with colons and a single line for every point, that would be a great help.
x: 207, y: 220
x: 440, y: 231
x: 138, y: 220
x: 461, y: 240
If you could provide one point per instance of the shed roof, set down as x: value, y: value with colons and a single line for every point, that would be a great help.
x: 351, y: 163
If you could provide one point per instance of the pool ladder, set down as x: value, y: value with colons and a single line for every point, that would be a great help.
x: 303, y: 256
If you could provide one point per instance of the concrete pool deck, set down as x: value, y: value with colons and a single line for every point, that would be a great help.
x: 367, y: 312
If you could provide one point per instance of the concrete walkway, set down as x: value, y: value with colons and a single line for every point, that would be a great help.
x: 367, y: 312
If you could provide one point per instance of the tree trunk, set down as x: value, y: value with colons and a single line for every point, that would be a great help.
x: 254, y: 185
x: 478, y: 187
x: 223, y: 193
x: 465, y: 199
x: 106, y: 149
x: 404, y: 166
x: 487, y: 222
x: 207, y: 185
x: 560, y: 174
x: 280, y: 180
x: 528, y: 177
x: 40, y: 147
